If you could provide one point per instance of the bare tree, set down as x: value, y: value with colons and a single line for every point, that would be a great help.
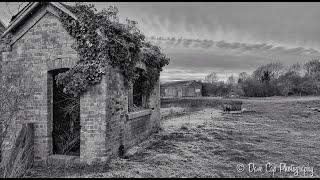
x: 211, y: 78
x: 313, y: 71
x: 242, y: 77
x: 312, y: 67
x: 296, y: 69
x: 265, y: 73
x: 231, y: 80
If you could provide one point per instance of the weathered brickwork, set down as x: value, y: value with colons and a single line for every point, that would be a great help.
x: 46, y: 46
x: 93, y: 123
x: 37, y: 52
x: 137, y: 129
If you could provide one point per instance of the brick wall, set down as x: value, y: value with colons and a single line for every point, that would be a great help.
x: 116, y: 108
x: 119, y: 129
x: 37, y: 52
x: 93, y: 123
x: 139, y: 128
x: 154, y: 104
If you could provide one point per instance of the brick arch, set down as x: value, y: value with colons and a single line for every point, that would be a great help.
x: 59, y: 63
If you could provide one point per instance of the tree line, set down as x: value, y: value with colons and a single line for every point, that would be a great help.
x: 272, y: 79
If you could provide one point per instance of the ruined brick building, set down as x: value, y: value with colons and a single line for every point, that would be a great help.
x: 42, y: 47
x: 180, y: 89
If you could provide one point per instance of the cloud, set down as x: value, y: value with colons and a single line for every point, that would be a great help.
x: 194, y: 63
x: 181, y: 74
x: 172, y: 42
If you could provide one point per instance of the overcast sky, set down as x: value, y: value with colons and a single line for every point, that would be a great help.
x: 224, y: 37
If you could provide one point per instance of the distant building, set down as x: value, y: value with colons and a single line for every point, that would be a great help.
x: 180, y: 89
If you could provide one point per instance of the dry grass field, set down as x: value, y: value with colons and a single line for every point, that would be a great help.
x: 210, y: 143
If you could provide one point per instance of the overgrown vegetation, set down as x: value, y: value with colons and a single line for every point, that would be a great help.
x: 13, y: 93
x: 272, y: 79
x: 101, y: 40
x: 66, y: 122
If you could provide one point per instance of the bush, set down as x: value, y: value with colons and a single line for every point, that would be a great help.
x: 254, y: 88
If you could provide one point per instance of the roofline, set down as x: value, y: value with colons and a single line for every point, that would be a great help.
x: 18, y: 19
x: 64, y: 9
x: 25, y: 11
x: 22, y: 10
x: 177, y: 83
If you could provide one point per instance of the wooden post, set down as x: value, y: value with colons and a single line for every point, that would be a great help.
x: 22, y: 154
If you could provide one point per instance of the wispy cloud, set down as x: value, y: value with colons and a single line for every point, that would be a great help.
x: 222, y: 37
x: 172, y: 42
x: 175, y: 74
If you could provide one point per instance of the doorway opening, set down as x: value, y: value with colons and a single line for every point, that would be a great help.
x: 66, y: 119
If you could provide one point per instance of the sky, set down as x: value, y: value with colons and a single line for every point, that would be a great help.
x: 222, y: 37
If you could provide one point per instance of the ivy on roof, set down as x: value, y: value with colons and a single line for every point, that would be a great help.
x: 101, y: 40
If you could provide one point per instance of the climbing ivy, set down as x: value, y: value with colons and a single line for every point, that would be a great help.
x: 101, y: 40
